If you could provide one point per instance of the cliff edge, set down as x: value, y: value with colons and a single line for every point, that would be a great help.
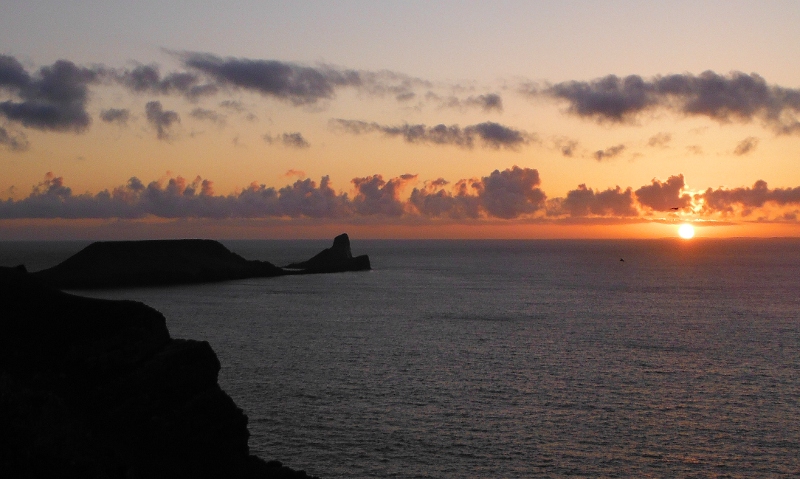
x: 96, y: 388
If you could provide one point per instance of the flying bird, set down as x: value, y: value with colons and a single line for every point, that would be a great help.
x: 675, y: 208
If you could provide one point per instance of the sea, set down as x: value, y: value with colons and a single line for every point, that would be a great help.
x: 506, y: 359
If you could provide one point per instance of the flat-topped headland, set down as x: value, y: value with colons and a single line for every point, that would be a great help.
x: 117, y: 264
x: 97, y: 388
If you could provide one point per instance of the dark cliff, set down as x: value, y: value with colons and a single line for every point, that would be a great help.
x: 336, y: 259
x: 95, y: 388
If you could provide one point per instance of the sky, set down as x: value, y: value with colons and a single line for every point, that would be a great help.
x: 529, y: 119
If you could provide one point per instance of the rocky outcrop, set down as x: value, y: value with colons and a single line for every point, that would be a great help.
x: 336, y: 259
x: 95, y: 388
x: 115, y: 264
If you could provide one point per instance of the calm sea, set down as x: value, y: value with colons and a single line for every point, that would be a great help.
x: 507, y: 359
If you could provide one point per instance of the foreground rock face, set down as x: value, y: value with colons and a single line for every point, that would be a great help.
x: 113, y: 264
x: 94, y: 388
x: 336, y: 259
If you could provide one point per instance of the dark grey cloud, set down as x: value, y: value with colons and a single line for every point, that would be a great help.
x: 506, y: 194
x: 663, y: 196
x: 148, y: 79
x: 12, y: 74
x: 161, y: 119
x: 585, y: 201
x: 303, y: 85
x: 434, y: 201
x: 488, y: 102
x: 287, y: 81
x: 116, y: 115
x: 54, y: 98
x: 608, y: 153
x: 294, y: 140
x: 291, y: 140
x: 725, y: 98
x: 490, y: 134
x: 659, y: 140
x: 511, y: 193
x: 208, y: 115
x: 725, y: 200
x: 13, y: 141
x: 746, y: 146
x: 378, y: 197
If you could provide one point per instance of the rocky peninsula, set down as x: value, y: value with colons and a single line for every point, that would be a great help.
x: 120, y: 264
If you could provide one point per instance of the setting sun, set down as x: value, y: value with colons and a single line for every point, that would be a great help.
x: 686, y: 231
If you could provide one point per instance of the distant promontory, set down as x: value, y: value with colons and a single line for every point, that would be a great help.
x: 119, y: 264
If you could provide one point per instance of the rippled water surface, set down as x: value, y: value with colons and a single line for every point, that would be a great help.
x: 510, y: 359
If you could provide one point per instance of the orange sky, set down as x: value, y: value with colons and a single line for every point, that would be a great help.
x: 523, y: 120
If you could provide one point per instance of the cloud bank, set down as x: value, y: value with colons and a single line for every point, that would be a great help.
x: 510, y: 194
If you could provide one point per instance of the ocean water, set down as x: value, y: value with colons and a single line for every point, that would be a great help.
x: 507, y: 359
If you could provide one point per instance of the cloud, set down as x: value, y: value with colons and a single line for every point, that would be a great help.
x: 608, y: 153
x: 298, y: 173
x: 297, y: 84
x: 388, y: 83
x: 208, y: 115
x: 14, y: 141
x: 161, y: 119
x: 748, y: 145
x: 490, y: 134
x: 663, y: 196
x: 585, y: 201
x: 659, y: 140
x: 695, y: 149
x: 304, y: 198
x: 567, y: 146
x: 374, y: 196
x: 116, y: 115
x: 52, y: 99
x: 488, y: 102
x: 508, y: 194
x: 725, y: 200
x: 724, y: 98
x: 434, y: 201
x: 511, y: 193
x: 291, y: 140
x: 148, y: 79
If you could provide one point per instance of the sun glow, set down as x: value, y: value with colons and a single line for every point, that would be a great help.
x: 686, y: 231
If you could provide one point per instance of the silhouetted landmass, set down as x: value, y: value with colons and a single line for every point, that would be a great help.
x: 113, y: 264
x: 119, y: 264
x: 336, y: 259
x: 96, y: 388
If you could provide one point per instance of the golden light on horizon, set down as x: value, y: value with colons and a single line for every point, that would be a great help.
x: 686, y: 231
